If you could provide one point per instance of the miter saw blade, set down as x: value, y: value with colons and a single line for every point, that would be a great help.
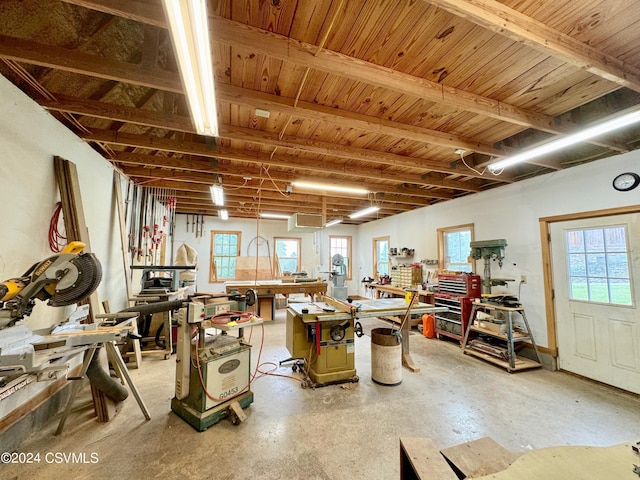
x: 89, y: 275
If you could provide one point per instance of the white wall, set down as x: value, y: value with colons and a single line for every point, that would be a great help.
x: 510, y: 212
x: 315, y: 246
x: 29, y: 139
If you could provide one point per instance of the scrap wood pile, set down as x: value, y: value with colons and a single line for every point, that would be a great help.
x: 493, y: 350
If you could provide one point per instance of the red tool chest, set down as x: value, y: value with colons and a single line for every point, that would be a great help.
x: 456, y: 292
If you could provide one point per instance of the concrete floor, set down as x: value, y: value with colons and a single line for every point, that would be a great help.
x: 347, y: 431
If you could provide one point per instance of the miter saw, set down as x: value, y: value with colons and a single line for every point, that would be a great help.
x: 62, y: 279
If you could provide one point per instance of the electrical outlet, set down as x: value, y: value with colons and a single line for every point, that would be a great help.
x: 523, y: 279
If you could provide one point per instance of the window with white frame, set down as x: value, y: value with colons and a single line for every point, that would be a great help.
x: 454, y: 248
x: 225, y: 249
x: 381, y: 265
x: 287, y: 255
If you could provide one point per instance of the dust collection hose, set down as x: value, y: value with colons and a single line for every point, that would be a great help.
x: 156, y: 307
x: 103, y: 381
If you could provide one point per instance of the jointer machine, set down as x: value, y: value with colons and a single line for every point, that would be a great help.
x: 213, y: 370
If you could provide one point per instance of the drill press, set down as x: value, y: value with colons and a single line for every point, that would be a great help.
x: 489, y: 250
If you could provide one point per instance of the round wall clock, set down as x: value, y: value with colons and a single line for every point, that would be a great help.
x: 626, y: 181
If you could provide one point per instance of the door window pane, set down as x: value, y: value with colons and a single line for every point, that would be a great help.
x: 598, y: 265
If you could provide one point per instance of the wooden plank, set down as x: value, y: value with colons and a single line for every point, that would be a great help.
x: 253, y: 268
x: 75, y: 224
x: 342, y: 306
x: 124, y: 243
x: 266, y: 307
x: 521, y: 363
x: 568, y: 462
x: 421, y: 460
x: 479, y: 457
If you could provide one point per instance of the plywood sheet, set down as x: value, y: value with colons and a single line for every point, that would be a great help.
x: 479, y: 457
x: 562, y: 463
x: 420, y: 459
x: 254, y: 268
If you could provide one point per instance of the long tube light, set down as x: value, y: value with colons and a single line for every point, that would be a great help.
x: 224, y: 214
x: 590, y: 132
x: 188, y: 25
x: 331, y: 223
x: 217, y: 194
x: 330, y: 188
x: 274, y: 215
x: 363, y: 212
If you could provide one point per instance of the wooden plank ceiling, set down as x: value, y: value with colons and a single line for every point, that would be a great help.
x: 370, y: 93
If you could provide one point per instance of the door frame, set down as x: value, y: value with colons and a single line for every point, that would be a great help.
x: 545, y: 242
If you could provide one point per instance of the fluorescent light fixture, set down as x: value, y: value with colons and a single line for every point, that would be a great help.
x: 217, y: 194
x: 364, y: 212
x: 330, y: 188
x: 223, y: 214
x: 590, y: 132
x: 333, y: 222
x: 189, y: 30
x: 275, y: 215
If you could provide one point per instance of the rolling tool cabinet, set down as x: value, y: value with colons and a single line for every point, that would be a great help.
x: 456, y: 292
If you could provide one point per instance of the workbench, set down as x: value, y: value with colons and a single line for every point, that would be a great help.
x: 380, y: 289
x: 388, y: 308
x: 267, y: 291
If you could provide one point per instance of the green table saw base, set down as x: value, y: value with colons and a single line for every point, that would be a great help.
x: 203, y: 420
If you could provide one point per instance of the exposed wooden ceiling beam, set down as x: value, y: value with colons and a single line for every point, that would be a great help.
x: 256, y: 171
x: 194, y: 148
x: 504, y: 20
x: 140, y: 11
x: 280, y: 47
x: 307, y: 55
x: 87, y: 64
x: 338, y: 117
x: 207, y: 179
x: 149, y: 118
x: 246, y: 37
x: 282, y: 206
x: 490, y: 14
x: 387, y: 194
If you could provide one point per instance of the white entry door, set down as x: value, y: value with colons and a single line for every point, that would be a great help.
x: 596, y: 277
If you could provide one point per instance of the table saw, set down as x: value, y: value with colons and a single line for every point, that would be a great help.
x: 321, y: 335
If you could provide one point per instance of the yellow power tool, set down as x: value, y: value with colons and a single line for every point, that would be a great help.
x: 62, y: 279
